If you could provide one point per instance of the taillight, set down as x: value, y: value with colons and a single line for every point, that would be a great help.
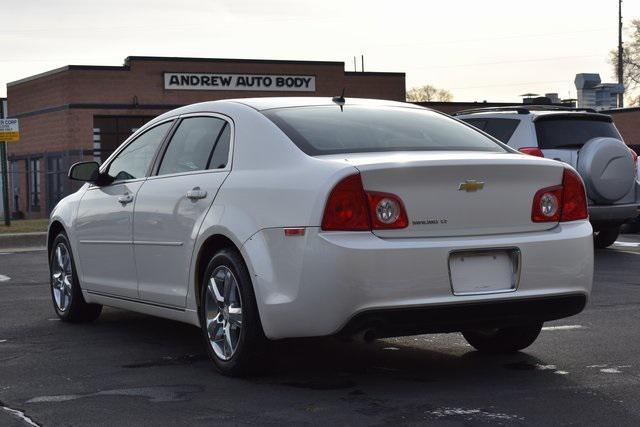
x: 574, y: 198
x: 386, y: 211
x: 351, y: 208
x: 566, y: 202
x: 346, y: 207
x: 532, y: 151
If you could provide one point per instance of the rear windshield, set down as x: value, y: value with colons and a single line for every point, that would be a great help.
x: 565, y: 132
x: 501, y: 129
x: 320, y: 130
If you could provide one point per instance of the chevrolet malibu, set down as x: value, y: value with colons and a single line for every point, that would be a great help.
x: 270, y: 218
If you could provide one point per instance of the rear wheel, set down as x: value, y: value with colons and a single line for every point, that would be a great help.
x: 605, y: 237
x: 231, y: 326
x: 503, y: 340
x: 66, y: 294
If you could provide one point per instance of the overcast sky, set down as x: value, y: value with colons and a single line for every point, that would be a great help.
x: 479, y: 50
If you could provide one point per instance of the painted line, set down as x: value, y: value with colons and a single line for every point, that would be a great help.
x: 4, y: 278
x: 627, y: 244
x: 1, y: 341
x: 21, y: 415
x: 562, y: 328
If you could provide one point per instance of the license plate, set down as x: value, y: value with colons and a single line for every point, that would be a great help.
x: 484, y: 272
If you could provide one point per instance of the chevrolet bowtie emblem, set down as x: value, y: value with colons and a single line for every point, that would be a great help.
x: 471, y: 185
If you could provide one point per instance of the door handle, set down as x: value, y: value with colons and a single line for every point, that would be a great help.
x: 125, y: 199
x: 196, y: 194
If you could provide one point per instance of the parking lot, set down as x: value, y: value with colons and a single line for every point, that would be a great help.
x: 131, y: 369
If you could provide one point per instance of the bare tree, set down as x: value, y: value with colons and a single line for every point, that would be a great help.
x: 428, y: 93
x: 631, y: 64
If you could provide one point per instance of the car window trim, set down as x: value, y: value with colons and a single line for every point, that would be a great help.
x: 163, y: 148
x: 107, y: 164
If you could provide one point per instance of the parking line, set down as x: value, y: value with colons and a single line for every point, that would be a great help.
x: 562, y: 328
x: 627, y: 244
x: 4, y: 278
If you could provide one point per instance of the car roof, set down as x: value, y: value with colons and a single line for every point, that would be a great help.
x: 532, y: 112
x: 267, y: 103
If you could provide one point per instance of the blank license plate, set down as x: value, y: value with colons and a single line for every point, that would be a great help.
x: 483, y: 272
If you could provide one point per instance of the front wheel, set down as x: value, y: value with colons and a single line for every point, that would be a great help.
x: 503, y: 340
x: 66, y: 294
x: 231, y: 327
x: 605, y: 237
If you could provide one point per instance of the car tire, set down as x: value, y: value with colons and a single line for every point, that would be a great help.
x: 66, y: 294
x: 605, y: 237
x: 503, y: 340
x: 229, y: 319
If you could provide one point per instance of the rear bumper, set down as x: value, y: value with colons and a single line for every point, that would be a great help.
x: 612, y: 213
x: 320, y: 283
x: 459, y: 317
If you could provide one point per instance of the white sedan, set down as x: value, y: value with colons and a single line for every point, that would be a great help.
x: 269, y: 218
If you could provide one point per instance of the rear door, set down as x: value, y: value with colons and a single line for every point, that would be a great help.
x: 171, y: 205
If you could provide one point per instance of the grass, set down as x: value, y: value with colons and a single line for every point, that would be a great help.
x: 24, y: 226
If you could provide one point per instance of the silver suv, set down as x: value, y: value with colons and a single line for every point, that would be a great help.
x: 583, y: 138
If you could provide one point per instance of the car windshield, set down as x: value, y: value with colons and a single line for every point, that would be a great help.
x: 320, y: 130
x: 563, y: 132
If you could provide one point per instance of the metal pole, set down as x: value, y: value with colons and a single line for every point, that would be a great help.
x: 5, y: 184
x: 362, y: 62
x: 620, y: 54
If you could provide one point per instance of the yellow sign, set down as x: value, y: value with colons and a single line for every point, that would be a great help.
x: 9, y: 130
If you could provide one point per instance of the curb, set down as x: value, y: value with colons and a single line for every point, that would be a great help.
x: 23, y: 240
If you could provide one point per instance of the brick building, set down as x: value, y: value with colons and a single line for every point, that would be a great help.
x: 627, y: 121
x: 82, y: 112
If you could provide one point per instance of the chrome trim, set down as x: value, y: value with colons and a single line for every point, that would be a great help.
x: 516, y: 274
x: 107, y: 242
x: 153, y: 243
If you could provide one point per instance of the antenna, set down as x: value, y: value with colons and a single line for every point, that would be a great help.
x: 340, y: 100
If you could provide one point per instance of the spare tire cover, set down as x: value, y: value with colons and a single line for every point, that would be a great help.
x: 607, y: 168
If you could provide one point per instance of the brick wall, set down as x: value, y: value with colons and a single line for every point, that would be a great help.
x: 627, y: 121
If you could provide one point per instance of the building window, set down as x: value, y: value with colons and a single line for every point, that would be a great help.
x: 34, y: 184
x: 111, y: 131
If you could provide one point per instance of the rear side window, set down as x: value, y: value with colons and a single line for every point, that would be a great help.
x: 193, y: 145
x: 321, y: 130
x: 501, y: 129
x: 563, y: 132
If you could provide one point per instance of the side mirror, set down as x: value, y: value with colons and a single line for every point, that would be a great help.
x: 84, y: 171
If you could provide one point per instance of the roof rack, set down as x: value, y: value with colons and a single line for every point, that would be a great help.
x: 520, y: 109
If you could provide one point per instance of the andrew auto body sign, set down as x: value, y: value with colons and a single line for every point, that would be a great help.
x: 255, y: 82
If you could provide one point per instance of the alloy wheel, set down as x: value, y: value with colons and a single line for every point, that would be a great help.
x: 223, y: 311
x: 61, y: 277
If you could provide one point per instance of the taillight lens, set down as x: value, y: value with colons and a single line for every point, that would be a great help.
x: 386, y: 211
x: 346, y: 207
x: 566, y: 202
x: 547, y: 205
x: 350, y: 208
x: 532, y: 151
x: 574, y: 198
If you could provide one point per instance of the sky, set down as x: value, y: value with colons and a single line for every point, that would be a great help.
x: 490, y: 50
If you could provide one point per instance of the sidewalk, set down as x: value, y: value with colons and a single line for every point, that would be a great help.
x: 23, y: 241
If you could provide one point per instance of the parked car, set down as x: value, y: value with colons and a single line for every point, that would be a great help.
x: 584, y: 139
x: 270, y: 218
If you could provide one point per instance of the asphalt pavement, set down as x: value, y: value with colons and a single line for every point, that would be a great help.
x: 131, y: 369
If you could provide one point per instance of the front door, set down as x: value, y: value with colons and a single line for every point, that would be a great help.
x: 104, y: 227
x: 172, y: 204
